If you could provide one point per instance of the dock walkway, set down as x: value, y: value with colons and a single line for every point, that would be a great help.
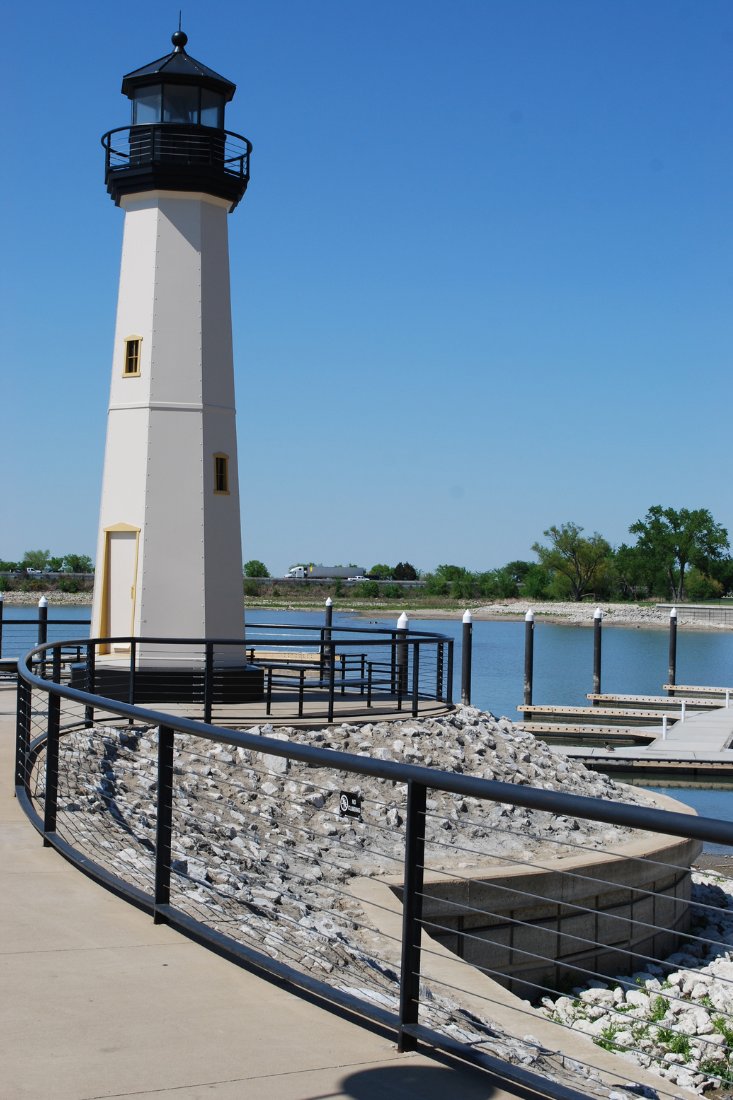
x: 702, y: 740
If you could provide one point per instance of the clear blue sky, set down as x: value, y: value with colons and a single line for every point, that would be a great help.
x: 481, y: 279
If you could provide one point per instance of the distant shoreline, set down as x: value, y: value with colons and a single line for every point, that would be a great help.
x: 629, y: 616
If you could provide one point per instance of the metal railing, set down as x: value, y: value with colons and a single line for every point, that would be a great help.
x: 130, y: 147
x: 308, y: 672
x: 292, y: 856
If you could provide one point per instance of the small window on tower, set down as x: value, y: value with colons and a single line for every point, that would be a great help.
x: 221, y: 473
x: 131, y: 366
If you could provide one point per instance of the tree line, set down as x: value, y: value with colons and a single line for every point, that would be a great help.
x: 42, y: 561
x: 678, y: 554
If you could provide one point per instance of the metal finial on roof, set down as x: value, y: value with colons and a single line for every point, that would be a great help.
x: 179, y: 39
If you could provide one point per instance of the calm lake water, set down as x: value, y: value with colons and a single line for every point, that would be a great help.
x: 634, y: 661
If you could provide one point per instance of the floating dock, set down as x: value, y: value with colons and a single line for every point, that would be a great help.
x: 694, y: 743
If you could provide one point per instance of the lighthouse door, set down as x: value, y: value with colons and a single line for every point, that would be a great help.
x: 119, y: 584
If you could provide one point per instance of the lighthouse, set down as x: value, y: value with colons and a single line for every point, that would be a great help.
x: 169, y: 555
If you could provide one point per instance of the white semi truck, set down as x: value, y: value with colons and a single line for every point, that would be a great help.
x: 327, y: 572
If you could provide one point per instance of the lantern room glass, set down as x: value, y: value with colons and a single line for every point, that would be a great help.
x: 146, y: 105
x: 212, y: 109
x: 181, y: 104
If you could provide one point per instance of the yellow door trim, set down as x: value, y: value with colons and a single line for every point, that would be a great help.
x: 104, y: 624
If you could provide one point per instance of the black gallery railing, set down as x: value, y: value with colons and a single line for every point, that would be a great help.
x: 357, y: 877
x: 281, y: 671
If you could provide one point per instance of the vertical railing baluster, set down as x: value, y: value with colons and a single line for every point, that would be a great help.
x: 133, y: 663
x: 164, y: 823
x: 439, y: 660
x: 22, y: 731
x: 412, y: 891
x: 2, y: 605
x: 449, y: 677
x: 415, y: 677
x: 331, y: 678
x: 90, y: 682
x: 50, y: 801
x: 208, y: 682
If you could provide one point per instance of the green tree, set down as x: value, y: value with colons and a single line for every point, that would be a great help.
x: 8, y: 566
x: 78, y: 563
x: 536, y: 583
x: 255, y: 568
x: 671, y: 540
x: 700, y: 586
x: 35, y: 559
x: 578, y: 562
x: 381, y: 572
x: 55, y: 564
x: 403, y: 571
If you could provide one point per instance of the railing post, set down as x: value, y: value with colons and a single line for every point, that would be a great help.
x: 439, y: 668
x: 672, y: 665
x: 401, y: 658
x: 50, y: 801
x: 466, y: 658
x: 412, y: 913
x: 42, y: 621
x: 133, y: 662
x: 415, y: 677
x: 90, y: 678
x: 42, y: 629
x: 326, y: 635
x: 528, y: 656
x: 597, y: 634
x: 164, y: 823
x: 2, y: 605
x: 208, y: 681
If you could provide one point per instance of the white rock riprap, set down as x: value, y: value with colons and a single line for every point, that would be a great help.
x: 262, y: 852
x: 676, y: 1017
x: 581, y: 614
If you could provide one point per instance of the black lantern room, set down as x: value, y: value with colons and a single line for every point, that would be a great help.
x: 177, y: 140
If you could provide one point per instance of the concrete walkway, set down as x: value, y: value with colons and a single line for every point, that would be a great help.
x: 97, y: 1001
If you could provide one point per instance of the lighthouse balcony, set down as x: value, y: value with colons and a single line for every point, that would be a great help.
x: 173, y: 157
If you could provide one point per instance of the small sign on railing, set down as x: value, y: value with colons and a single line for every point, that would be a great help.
x: 350, y: 805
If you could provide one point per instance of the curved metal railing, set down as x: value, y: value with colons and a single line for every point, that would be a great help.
x: 178, y: 147
x: 257, y: 846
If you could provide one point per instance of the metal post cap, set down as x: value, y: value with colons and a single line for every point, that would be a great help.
x: 673, y: 613
x: 402, y: 622
x: 598, y: 614
x: 43, y: 602
x: 529, y: 617
x: 329, y: 602
x: 467, y: 617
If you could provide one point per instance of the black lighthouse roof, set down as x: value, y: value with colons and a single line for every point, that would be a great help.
x: 177, y: 140
x: 178, y: 67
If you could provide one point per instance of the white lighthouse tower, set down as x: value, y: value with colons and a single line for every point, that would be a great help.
x: 169, y: 556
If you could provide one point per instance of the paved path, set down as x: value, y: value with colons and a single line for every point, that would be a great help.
x: 97, y: 1001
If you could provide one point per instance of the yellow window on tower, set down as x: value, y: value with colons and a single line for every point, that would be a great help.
x: 221, y: 473
x: 131, y: 367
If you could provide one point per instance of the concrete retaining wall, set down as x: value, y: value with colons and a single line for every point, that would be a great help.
x: 559, y: 922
